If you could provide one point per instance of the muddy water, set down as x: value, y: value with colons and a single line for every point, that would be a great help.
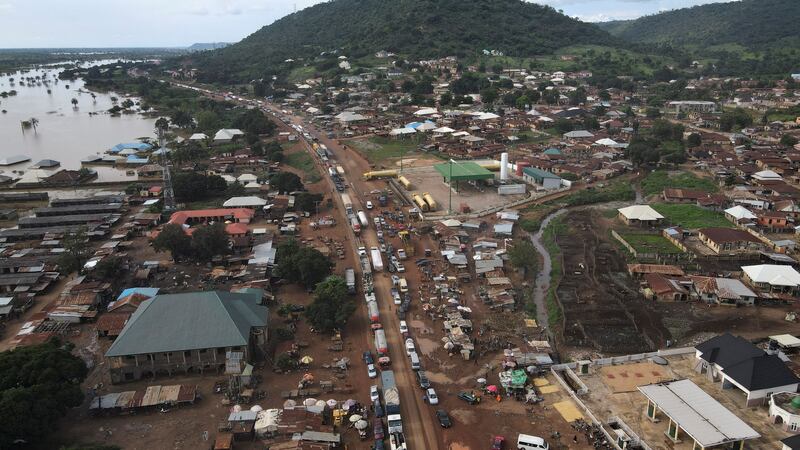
x: 543, y: 277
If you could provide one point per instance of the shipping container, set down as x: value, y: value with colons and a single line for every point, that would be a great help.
x: 511, y: 189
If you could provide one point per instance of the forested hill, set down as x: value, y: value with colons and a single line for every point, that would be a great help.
x: 754, y: 24
x: 414, y: 28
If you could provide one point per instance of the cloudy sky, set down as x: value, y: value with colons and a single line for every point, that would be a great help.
x: 150, y: 23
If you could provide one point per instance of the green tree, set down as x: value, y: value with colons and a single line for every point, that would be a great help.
x: 208, y: 122
x: 446, y: 99
x: 303, y: 265
x: 523, y: 255
x: 109, y: 268
x: 38, y: 385
x: 489, y: 96
x: 76, y: 251
x: 694, y: 140
x: 306, y: 201
x: 209, y: 241
x: 255, y: 122
x: 285, y: 182
x: 652, y: 113
x: 332, y: 307
x: 787, y: 140
x: 193, y: 186
x: 180, y: 118
x: 522, y: 102
x: 173, y: 239
x: 737, y: 118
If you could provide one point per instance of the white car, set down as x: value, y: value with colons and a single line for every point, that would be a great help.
x: 371, y: 372
x: 362, y: 251
x: 369, y: 204
x: 403, y: 327
x: 410, y: 347
x: 431, y: 397
x: 373, y: 393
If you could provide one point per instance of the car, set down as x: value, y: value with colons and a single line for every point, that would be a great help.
x: 498, y: 443
x: 444, y: 418
x: 469, y: 397
x: 376, y: 405
x: 373, y: 393
x: 395, y: 280
x: 369, y: 204
x: 362, y: 251
x: 403, y: 327
x: 401, y: 254
x: 422, y: 379
x: 410, y: 347
x: 377, y: 429
x: 431, y: 397
x: 400, y: 267
x: 371, y: 372
x: 379, y: 445
x: 368, y: 358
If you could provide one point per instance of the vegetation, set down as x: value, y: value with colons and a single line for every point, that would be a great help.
x: 656, y: 181
x: 209, y: 241
x: 616, y: 191
x: 76, y: 252
x: 661, y: 144
x: 194, y: 186
x: 302, y: 161
x: 332, y: 306
x: 173, y: 239
x: 285, y: 182
x: 523, y: 255
x: 735, y: 120
x: 691, y: 216
x: 651, y: 243
x: 379, y: 149
x: 38, y: 385
x: 303, y: 265
x: 550, y: 240
x: 359, y: 28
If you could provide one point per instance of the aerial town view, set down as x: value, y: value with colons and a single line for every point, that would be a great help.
x: 400, y: 224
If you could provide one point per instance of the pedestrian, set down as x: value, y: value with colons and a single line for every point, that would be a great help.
x: 575, y: 439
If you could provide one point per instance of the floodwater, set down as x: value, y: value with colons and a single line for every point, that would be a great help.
x: 64, y: 133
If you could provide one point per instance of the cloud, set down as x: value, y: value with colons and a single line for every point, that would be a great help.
x: 6, y: 8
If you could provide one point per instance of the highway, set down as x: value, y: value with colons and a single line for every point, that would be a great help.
x: 420, y: 426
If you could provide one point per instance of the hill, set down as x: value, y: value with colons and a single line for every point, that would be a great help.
x: 413, y: 28
x: 201, y: 46
x: 752, y: 24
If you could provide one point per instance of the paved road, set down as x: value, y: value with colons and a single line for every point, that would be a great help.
x: 543, y: 277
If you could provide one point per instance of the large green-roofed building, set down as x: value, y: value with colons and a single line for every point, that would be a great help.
x: 463, y: 171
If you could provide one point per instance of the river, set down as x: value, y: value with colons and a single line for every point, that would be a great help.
x: 64, y: 133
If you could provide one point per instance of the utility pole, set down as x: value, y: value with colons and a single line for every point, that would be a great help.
x: 450, y: 188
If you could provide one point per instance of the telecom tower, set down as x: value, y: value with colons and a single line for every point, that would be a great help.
x: 169, y: 194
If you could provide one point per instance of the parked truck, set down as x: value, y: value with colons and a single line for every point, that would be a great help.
x: 391, y: 397
x: 366, y: 268
x: 348, y: 204
x: 377, y: 260
x: 380, y: 343
x: 350, y: 278
x: 362, y: 217
x: 355, y: 224
x: 374, y: 313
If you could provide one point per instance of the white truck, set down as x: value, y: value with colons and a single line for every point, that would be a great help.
x: 348, y: 204
x: 362, y: 217
x: 377, y: 260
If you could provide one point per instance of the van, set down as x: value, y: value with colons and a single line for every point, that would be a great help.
x: 415, y: 365
x: 403, y: 285
x: 528, y: 442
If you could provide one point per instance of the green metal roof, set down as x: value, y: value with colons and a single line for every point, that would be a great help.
x: 197, y: 320
x: 463, y: 171
x: 539, y: 174
x: 552, y: 151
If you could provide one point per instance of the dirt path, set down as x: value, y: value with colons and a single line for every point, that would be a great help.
x: 543, y: 277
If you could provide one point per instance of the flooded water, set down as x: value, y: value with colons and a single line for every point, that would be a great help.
x: 64, y: 133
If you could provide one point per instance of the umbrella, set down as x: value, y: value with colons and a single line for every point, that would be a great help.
x: 320, y: 404
x: 348, y: 404
x: 355, y: 418
x: 332, y: 403
x: 492, y: 389
x: 237, y: 408
x: 306, y: 359
x: 310, y: 402
x: 361, y: 425
x: 256, y: 408
x: 289, y: 404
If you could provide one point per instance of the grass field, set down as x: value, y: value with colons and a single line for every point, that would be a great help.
x: 651, y: 243
x: 379, y: 149
x: 656, y: 181
x: 691, y: 216
x: 303, y: 162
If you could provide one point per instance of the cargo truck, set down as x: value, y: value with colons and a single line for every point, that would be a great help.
x: 374, y: 314
x: 380, y: 343
x: 355, y: 224
x: 377, y: 260
x: 348, y: 204
x: 391, y: 397
x: 350, y: 278
x: 366, y: 268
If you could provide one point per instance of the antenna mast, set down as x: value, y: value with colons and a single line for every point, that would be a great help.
x: 169, y: 193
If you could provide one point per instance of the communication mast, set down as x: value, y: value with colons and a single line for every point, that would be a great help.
x: 169, y: 193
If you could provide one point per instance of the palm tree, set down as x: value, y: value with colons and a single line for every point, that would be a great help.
x: 74, y: 102
x: 34, y: 121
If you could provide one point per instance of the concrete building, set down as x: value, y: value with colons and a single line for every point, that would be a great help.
x: 784, y: 410
x: 773, y: 278
x: 640, y: 215
x: 690, y: 106
x: 729, y: 240
x: 543, y: 178
x: 192, y: 332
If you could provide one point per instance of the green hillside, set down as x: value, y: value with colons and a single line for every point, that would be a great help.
x: 413, y: 28
x: 753, y: 24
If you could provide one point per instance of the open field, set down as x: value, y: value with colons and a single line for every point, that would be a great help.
x: 655, y: 182
x: 303, y: 162
x: 378, y: 150
x: 691, y: 216
x: 650, y: 243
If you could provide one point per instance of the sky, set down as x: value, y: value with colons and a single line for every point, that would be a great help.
x: 177, y: 23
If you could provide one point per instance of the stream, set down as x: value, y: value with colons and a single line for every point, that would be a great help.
x: 543, y: 277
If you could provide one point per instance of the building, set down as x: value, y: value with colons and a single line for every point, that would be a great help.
x: 739, y: 214
x: 784, y: 410
x: 539, y: 177
x: 640, y: 215
x: 773, y: 278
x: 192, y: 332
x: 690, y: 106
x: 737, y: 363
x: 203, y: 216
x: 723, y: 291
x: 729, y: 240
x: 791, y: 443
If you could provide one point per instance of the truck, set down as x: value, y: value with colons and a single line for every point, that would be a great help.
x: 374, y: 313
x: 377, y: 260
x: 383, y: 199
x: 340, y: 170
x: 362, y: 217
x: 348, y: 204
x: 397, y: 441
x: 380, y: 343
x: 355, y: 224
x: 391, y: 397
x: 366, y: 268
x: 350, y: 278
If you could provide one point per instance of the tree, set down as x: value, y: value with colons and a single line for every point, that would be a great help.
x: 74, y: 102
x: 285, y: 182
x: 303, y: 265
x: 787, y: 140
x: 127, y: 103
x: 38, y: 385
x: 76, y: 252
x: 173, y: 239
x: 694, y: 140
x: 563, y: 126
x: 522, y: 102
x: 180, y: 118
x: 489, y: 96
x: 666, y: 131
x: 445, y: 99
x: 523, y: 255
x: 109, y: 268
x: 208, y: 121
x: 332, y: 307
x: 209, y: 241
x: 737, y: 118
x: 254, y: 121
x: 193, y: 186
x: 652, y: 113
x: 162, y: 125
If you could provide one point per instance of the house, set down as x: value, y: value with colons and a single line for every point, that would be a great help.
x: 666, y: 289
x: 773, y: 220
x: 729, y: 240
x: 691, y: 106
x: 773, y: 278
x: 640, y: 215
x: 183, y: 333
x: 723, y: 291
x: 201, y: 216
x: 226, y: 135
x: 737, y: 363
x: 739, y: 214
x: 767, y: 176
x: 252, y: 202
x: 543, y: 178
x: 198, y: 137
x: 784, y: 410
x: 111, y: 324
x: 578, y: 134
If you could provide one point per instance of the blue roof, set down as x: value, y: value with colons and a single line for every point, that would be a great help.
x: 134, y: 145
x: 150, y: 292
x: 552, y: 151
x: 133, y: 159
x: 413, y: 125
